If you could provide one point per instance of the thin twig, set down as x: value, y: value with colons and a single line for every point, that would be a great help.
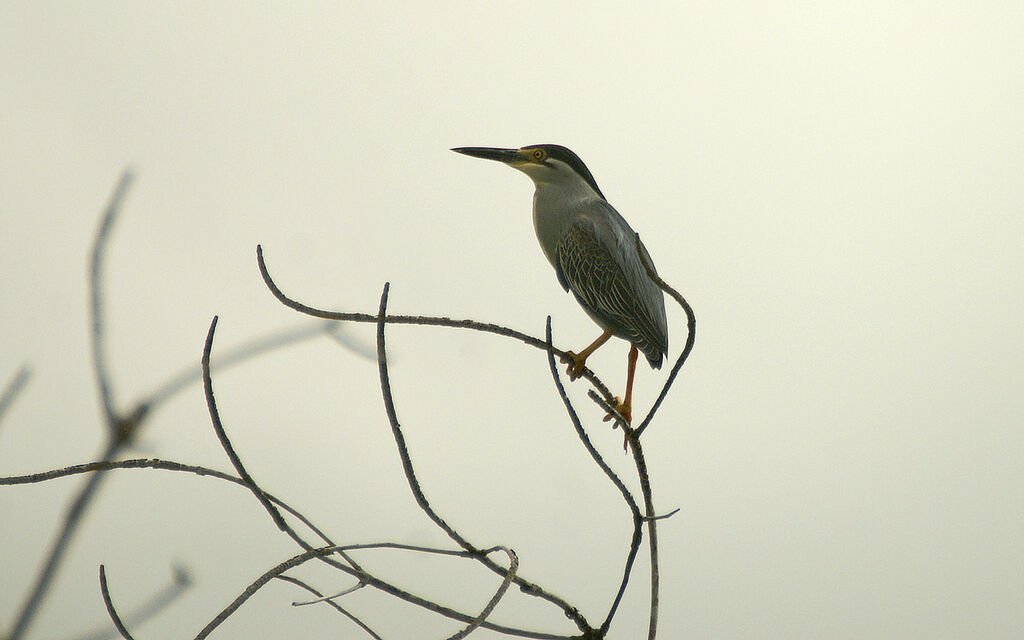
x: 110, y: 606
x: 691, y: 334
x: 222, y: 435
x: 229, y: 449
x: 634, y: 545
x: 305, y: 603
x: 362, y: 625
x: 13, y: 388
x: 527, y: 587
x: 513, y: 566
x: 180, y: 582
x: 434, y: 321
x: 652, y: 529
x: 154, y: 463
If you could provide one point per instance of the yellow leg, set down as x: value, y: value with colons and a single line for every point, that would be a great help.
x: 578, y: 362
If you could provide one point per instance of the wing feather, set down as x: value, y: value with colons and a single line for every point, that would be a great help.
x: 606, y: 276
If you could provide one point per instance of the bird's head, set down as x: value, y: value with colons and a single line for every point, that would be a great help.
x: 543, y: 163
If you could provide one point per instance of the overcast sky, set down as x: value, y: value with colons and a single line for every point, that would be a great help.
x: 837, y: 189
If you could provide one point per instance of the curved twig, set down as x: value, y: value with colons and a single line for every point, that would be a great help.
x: 110, y: 606
x: 433, y: 321
x: 691, y: 329
x: 211, y: 404
x: 180, y: 582
x: 530, y: 588
x: 301, y: 558
x: 513, y: 566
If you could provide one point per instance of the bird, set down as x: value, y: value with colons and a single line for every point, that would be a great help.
x: 595, y: 254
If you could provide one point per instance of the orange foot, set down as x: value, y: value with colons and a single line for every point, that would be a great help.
x: 623, y: 409
x: 626, y: 412
x: 577, y: 364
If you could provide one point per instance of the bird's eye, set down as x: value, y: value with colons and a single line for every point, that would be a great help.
x: 539, y: 155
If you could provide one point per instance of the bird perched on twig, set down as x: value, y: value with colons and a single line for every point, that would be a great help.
x: 594, y: 253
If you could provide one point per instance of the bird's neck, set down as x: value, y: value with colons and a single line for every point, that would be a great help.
x: 553, y: 208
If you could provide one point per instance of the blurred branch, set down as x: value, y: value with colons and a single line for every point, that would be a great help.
x: 96, y: 294
x: 120, y: 429
x: 247, y: 351
x: 691, y: 334
x: 527, y: 587
x: 13, y: 388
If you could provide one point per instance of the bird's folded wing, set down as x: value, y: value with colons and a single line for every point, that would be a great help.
x: 592, y: 263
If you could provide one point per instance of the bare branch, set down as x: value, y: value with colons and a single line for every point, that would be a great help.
x: 652, y: 529
x: 513, y: 566
x: 433, y: 321
x: 154, y: 463
x: 355, y: 570
x: 634, y: 545
x: 13, y: 388
x: 301, y: 558
x: 222, y: 435
x: 527, y: 587
x: 691, y: 334
x: 110, y: 606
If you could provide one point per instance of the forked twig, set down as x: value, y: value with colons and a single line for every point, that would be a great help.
x: 119, y: 428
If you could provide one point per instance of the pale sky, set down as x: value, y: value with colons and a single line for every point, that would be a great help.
x: 838, y: 190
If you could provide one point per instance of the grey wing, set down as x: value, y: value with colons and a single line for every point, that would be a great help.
x: 600, y: 265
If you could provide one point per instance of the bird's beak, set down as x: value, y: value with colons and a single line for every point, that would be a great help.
x: 508, y: 156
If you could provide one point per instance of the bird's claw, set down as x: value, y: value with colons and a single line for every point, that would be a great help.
x: 576, y: 364
x: 623, y: 410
